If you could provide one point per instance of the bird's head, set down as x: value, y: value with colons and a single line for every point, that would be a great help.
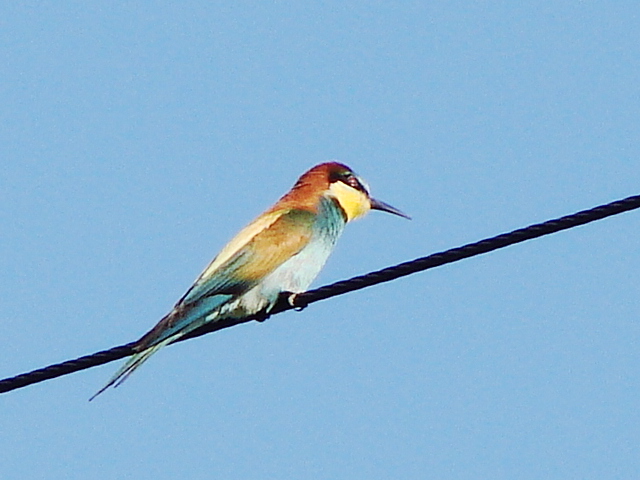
x: 352, y: 193
x: 341, y: 184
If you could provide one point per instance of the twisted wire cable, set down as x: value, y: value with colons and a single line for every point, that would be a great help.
x: 301, y: 300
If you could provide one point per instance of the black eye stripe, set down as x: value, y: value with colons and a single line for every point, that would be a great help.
x: 338, y: 176
x: 348, y: 178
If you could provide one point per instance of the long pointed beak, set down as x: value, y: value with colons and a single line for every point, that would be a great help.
x: 385, y: 207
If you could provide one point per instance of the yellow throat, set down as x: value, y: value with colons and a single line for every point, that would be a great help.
x: 354, y: 202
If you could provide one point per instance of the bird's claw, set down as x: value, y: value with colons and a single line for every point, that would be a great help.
x: 291, y: 299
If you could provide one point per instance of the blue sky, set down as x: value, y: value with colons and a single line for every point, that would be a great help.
x: 137, y: 139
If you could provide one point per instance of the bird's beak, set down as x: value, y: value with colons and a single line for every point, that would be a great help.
x: 385, y: 207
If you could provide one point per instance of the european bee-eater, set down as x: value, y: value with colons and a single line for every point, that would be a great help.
x: 282, y: 250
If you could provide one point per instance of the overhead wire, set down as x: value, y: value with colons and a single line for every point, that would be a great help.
x: 302, y: 300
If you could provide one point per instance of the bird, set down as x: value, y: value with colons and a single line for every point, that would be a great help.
x: 281, y: 251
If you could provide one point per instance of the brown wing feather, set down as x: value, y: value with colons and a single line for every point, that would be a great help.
x: 269, y: 249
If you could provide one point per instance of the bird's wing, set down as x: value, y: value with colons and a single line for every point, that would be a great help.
x: 256, y: 251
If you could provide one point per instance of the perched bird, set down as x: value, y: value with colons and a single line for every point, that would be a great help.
x: 282, y: 250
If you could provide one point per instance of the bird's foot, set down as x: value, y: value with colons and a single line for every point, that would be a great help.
x: 291, y: 299
x: 262, y: 316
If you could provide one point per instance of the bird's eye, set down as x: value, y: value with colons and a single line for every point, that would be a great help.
x: 352, y: 181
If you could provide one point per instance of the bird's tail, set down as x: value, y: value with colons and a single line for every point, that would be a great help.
x: 133, y: 363
x: 166, y: 331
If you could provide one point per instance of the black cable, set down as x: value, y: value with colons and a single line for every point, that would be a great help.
x: 339, y: 288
